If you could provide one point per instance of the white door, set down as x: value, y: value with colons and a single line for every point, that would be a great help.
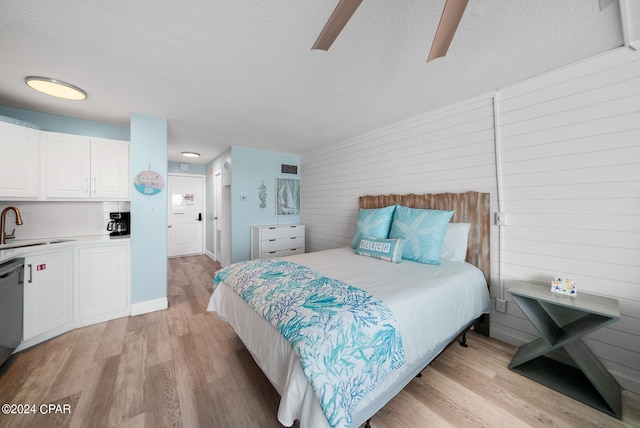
x: 185, y: 214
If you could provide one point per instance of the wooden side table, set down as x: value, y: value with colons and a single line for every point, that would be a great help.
x: 559, y: 358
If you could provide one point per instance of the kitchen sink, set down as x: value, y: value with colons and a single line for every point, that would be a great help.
x: 32, y: 243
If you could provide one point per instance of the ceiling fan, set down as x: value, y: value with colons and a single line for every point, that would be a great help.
x: 451, y: 16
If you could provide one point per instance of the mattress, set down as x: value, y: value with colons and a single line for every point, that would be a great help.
x: 432, y: 304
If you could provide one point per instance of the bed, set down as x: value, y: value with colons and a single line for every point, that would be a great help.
x: 431, y: 305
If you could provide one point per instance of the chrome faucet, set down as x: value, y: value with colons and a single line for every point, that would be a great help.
x: 3, y: 223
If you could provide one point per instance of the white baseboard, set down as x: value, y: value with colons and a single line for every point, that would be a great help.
x: 45, y: 336
x: 210, y: 255
x: 149, y: 306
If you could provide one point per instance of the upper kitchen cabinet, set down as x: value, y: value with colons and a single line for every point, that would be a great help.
x: 83, y: 167
x: 110, y: 169
x: 19, y: 162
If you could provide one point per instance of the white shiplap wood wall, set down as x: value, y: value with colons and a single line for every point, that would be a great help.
x: 570, y: 158
x: 570, y: 162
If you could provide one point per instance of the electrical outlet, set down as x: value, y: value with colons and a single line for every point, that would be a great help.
x: 501, y: 305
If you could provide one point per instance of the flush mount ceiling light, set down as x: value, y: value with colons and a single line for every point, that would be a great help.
x: 191, y: 154
x: 55, y: 88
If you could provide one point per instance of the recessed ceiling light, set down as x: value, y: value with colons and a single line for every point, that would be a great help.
x: 191, y: 154
x: 55, y: 88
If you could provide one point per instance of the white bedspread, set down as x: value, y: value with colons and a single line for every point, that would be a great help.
x: 431, y: 304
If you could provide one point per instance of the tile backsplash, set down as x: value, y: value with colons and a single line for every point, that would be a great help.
x: 61, y: 219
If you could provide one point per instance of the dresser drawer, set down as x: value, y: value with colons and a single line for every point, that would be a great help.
x: 273, y: 245
x: 293, y: 230
x: 267, y: 254
x: 294, y: 241
x: 282, y: 243
x: 292, y: 251
x: 272, y: 232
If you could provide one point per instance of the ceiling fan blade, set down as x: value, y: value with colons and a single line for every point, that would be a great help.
x: 451, y: 16
x: 338, y: 19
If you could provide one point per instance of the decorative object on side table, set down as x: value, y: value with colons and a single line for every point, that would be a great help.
x: 559, y: 358
x: 564, y: 286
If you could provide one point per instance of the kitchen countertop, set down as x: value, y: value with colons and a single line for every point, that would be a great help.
x: 65, y: 242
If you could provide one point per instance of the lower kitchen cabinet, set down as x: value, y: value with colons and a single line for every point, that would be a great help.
x: 103, y: 283
x: 48, y: 294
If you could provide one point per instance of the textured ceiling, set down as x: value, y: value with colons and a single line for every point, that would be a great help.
x: 241, y: 72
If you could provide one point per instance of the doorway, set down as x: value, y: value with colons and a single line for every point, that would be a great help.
x: 185, y: 215
x: 221, y: 220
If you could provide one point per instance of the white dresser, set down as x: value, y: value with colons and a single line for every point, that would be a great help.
x: 276, y: 240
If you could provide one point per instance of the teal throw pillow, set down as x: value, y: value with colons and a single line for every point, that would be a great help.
x: 379, y: 248
x: 374, y: 223
x: 423, y: 231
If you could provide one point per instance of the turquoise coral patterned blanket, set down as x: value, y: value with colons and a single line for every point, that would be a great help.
x: 345, y: 338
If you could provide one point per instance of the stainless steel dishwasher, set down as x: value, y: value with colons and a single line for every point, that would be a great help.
x: 11, y: 298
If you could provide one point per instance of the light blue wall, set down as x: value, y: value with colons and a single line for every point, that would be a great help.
x: 148, y: 213
x: 174, y: 167
x: 251, y: 167
x: 67, y: 125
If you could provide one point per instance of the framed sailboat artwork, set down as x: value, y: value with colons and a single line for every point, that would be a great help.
x: 288, y: 196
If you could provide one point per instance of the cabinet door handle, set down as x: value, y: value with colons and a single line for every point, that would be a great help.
x: 95, y: 185
x: 86, y: 185
x: 30, y: 273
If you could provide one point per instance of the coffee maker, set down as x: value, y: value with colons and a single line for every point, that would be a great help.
x: 120, y: 224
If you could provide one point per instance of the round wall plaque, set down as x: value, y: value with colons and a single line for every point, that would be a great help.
x: 149, y: 182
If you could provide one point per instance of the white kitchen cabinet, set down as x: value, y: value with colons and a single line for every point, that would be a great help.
x: 277, y: 240
x: 20, y: 162
x: 103, y: 282
x: 48, y: 294
x: 84, y: 167
x: 110, y: 169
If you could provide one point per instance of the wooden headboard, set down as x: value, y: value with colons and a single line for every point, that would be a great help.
x: 469, y: 207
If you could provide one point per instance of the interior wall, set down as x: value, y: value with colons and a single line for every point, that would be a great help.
x: 570, y: 155
x: 249, y: 170
x: 68, y: 125
x: 148, y: 212
x: 186, y: 168
x: 447, y: 150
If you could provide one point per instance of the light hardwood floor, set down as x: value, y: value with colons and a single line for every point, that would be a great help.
x: 184, y: 367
